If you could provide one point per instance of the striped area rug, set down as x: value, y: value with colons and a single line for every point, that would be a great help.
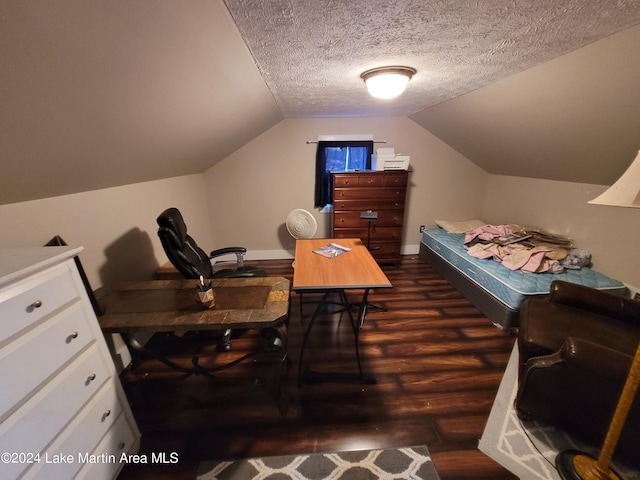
x: 411, y: 463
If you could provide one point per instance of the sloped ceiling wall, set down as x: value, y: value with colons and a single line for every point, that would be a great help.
x: 575, y: 118
x: 102, y: 93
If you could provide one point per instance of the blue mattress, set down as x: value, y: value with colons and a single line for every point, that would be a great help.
x: 511, y: 287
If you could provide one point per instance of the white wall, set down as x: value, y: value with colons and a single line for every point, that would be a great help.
x: 116, y: 226
x: 251, y: 192
x: 609, y: 233
x: 243, y: 201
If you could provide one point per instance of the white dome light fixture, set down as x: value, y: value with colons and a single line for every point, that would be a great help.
x: 387, y: 82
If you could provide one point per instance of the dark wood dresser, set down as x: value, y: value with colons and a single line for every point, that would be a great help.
x: 381, y: 192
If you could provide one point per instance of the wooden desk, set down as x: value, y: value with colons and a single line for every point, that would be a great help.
x: 354, y: 270
x: 169, y: 305
x: 260, y: 303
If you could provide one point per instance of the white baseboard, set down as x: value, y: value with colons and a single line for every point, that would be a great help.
x: 410, y: 249
x: 287, y: 254
x: 268, y: 255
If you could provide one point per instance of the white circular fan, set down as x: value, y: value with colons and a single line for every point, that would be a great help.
x: 301, y: 224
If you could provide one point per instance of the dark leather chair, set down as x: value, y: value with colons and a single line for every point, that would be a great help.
x: 192, y: 262
x: 576, y: 347
x: 189, y: 259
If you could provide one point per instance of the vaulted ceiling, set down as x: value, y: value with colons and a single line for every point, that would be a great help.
x: 111, y: 92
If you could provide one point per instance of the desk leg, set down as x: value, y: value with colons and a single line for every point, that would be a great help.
x: 137, y: 349
x: 306, y: 335
x: 274, y: 343
x: 356, y: 325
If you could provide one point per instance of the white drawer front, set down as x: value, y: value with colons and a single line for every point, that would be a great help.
x: 37, y: 422
x: 30, y: 360
x: 26, y: 302
x: 104, y: 462
x: 80, y: 437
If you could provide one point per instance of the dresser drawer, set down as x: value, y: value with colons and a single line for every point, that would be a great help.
x: 39, y: 420
x: 355, y: 180
x: 80, y: 438
x: 386, y: 218
x: 30, y: 360
x: 362, y: 205
x: 386, y: 251
x: 28, y: 301
x: 381, y: 193
x: 373, y: 179
x: 118, y: 440
x: 399, y: 179
x: 379, y: 234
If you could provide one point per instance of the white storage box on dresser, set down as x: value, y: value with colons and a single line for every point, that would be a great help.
x: 63, y: 413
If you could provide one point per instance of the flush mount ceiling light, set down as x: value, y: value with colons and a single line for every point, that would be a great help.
x: 387, y: 82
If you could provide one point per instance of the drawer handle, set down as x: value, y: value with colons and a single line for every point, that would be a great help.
x: 92, y: 377
x: 106, y: 414
x: 37, y: 304
x: 121, y: 445
x: 71, y: 337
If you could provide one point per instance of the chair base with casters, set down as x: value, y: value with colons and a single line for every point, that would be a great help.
x: 193, y: 263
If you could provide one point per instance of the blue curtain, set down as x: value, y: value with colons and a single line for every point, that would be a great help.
x: 331, y: 156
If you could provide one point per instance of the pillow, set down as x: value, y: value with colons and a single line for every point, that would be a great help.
x: 460, y: 227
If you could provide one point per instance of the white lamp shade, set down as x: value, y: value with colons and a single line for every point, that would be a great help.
x: 626, y: 191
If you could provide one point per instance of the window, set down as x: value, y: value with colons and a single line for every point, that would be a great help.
x: 338, y: 156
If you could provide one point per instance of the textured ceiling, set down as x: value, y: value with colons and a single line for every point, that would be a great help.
x: 311, y: 53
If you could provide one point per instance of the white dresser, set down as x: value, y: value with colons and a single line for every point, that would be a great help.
x: 63, y: 413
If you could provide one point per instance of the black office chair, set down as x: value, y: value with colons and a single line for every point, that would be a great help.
x: 192, y: 262
x: 189, y: 259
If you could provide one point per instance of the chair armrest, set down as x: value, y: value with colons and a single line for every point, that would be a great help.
x: 580, y: 354
x: 581, y: 357
x: 576, y: 389
x: 586, y: 298
x: 238, y: 251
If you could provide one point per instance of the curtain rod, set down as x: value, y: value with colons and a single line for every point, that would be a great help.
x: 375, y: 141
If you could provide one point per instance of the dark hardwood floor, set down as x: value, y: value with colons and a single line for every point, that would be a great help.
x: 437, y: 361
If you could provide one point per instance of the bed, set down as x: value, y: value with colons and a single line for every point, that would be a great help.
x: 494, y: 289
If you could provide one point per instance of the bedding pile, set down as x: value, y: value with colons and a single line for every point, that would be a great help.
x: 529, y: 250
x: 498, y: 291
